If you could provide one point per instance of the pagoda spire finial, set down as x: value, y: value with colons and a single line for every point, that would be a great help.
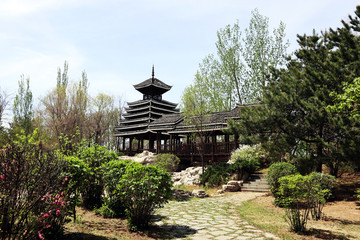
x: 153, y: 74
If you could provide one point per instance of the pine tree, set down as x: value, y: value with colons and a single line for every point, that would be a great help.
x: 293, y: 119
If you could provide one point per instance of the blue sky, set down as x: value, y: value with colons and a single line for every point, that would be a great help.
x: 117, y: 41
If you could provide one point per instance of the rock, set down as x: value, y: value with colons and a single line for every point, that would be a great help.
x: 220, y: 191
x: 199, y: 193
x: 144, y: 158
x: 181, y: 194
x: 230, y: 188
x: 189, y: 176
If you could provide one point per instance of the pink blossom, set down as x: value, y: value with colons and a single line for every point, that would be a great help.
x: 25, y: 232
x: 2, y: 177
x: 40, y: 235
x: 66, y: 179
x: 46, y: 215
x: 2, y: 150
x: 58, y: 211
x: 48, y: 226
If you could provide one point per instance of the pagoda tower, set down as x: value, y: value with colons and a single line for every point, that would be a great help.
x: 141, y: 113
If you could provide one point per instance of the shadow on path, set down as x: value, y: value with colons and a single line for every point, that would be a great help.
x: 171, y: 231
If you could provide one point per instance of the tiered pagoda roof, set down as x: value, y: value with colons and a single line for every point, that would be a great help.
x: 141, y: 113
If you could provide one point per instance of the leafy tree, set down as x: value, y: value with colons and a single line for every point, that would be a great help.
x: 3, y: 103
x: 65, y: 108
x: 293, y: 118
x: 237, y: 74
x: 104, y: 118
x: 195, y: 110
x: 23, y: 103
x: 348, y: 102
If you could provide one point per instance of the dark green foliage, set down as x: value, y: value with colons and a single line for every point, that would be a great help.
x: 168, y: 162
x: 216, y: 174
x: 120, y: 154
x: 305, y: 165
x: 276, y: 171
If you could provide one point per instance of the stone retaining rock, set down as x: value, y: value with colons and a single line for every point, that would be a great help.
x: 187, y: 177
x: 199, y: 193
x: 144, y: 158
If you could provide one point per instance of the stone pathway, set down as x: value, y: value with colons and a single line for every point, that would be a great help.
x: 209, y: 218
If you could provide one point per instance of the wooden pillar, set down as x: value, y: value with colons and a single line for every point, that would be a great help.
x: 213, y: 148
x: 158, y: 142
x: 130, y: 144
x: 151, y: 143
x: 227, y: 143
x: 123, y: 144
x: 171, y: 143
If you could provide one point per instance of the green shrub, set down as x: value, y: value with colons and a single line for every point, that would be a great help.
x: 300, y: 195
x: 114, y: 205
x: 276, y: 171
x: 77, y: 172
x: 216, y: 174
x: 326, y: 183
x: 357, y: 192
x: 120, y: 154
x: 168, y: 162
x: 142, y: 189
x: 94, y: 157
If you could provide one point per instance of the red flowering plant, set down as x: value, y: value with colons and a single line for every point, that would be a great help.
x: 33, y: 201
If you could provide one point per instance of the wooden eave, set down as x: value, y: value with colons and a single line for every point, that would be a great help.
x: 132, y: 126
x: 133, y: 133
x: 130, y: 121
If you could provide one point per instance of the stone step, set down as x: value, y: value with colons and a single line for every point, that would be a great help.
x: 256, y: 183
x: 255, y: 190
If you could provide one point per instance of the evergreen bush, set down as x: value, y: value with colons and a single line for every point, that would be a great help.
x: 276, y: 171
x: 216, y: 174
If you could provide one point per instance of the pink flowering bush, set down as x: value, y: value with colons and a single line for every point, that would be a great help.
x: 33, y: 195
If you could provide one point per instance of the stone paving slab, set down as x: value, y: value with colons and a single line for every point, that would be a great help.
x: 212, y: 218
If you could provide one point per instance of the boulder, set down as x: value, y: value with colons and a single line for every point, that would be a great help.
x: 199, y: 193
x: 189, y: 176
x: 230, y: 188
